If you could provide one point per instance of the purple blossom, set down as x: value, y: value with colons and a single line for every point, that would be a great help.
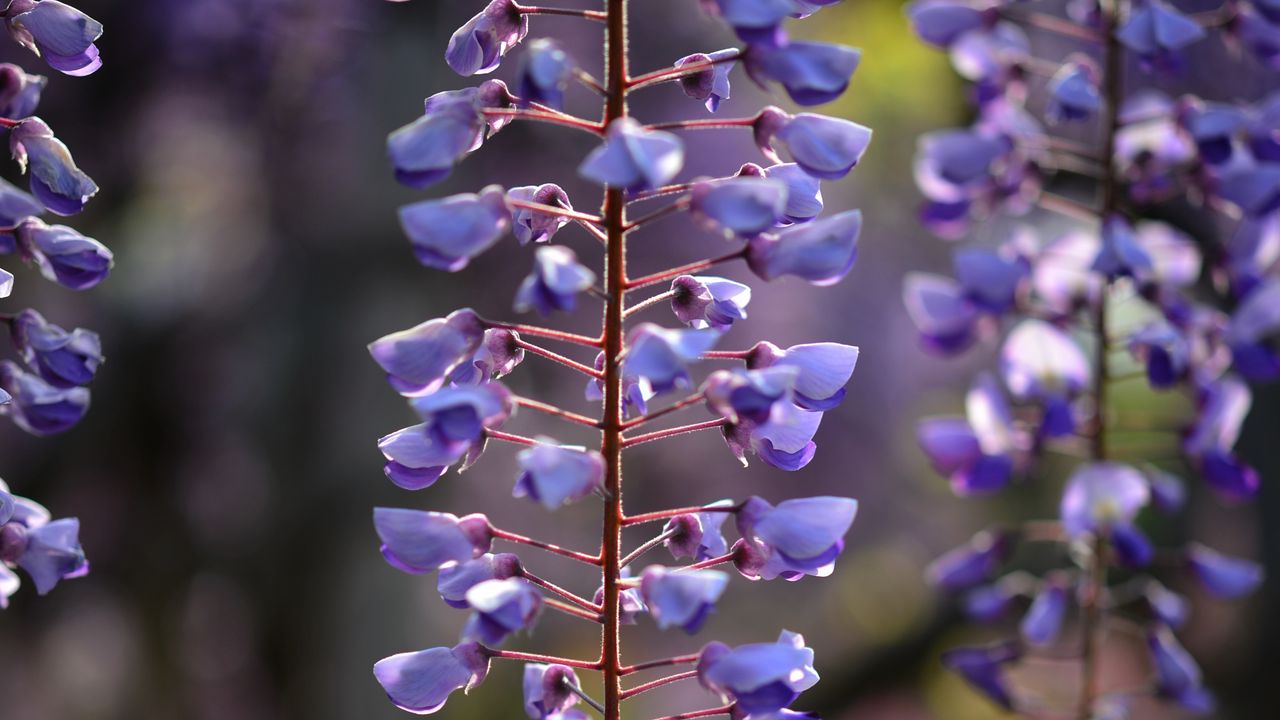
x: 630, y: 604
x: 636, y: 393
x: 784, y: 440
x: 748, y: 396
x: 546, y: 690
x: 38, y: 407
x: 419, y: 359
x: 59, y: 33
x: 991, y: 602
x: 53, y: 176
x: 976, y: 454
x: 657, y: 358
x: 545, y: 73
x: 804, y: 191
x: 1177, y: 675
x: 555, y: 475
x: 48, y: 553
x: 743, y: 206
x: 448, y: 232
x: 813, y: 73
x: 1168, y: 491
x: 698, y: 535
x: 941, y: 310
x: 983, y: 669
x: 425, y: 151
x: 1120, y: 254
x: 824, y: 147
x: 1213, y: 127
x: 1073, y: 92
x: 1155, y: 31
x: 421, y: 542
x: 821, y: 252
x: 758, y: 22
x: 1254, y: 333
x: 1043, y: 622
x: 15, y: 205
x: 680, y: 598
x: 1150, y: 147
x: 1043, y: 363
x: 533, y: 225
x: 633, y: 158
x: 1165, y: 353
x: 1224, y: 404
x: 19, y: 92
x: 1104, y: 498
x: 973, y: 563
x: 823, y: 370
x: 710, y: 85
x: 798, y: 537
x: 1222, y: 575
x: 1168, y: 606
x: 63, y: 359
x: 709, y: 302
x: 941, y: 22
x: 500, y: 608
x: 420, y: 682
x: 456, y: 579
x: 462, y: 414
x: 477, y: 47
x: 64, y: 255
x: 759, y: 677
x: 498, y: 355
x: 555, y: 282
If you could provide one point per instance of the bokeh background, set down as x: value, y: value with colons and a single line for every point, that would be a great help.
x: 226, y: 474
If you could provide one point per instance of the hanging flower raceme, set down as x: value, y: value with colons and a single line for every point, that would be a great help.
x: 769, y: 401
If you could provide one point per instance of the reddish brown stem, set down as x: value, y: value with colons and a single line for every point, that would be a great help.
x: 546, y: 659
x: 554, y: 118
x: 510, y: 437
x: 632, y: 692
x: 524, y: 540
x: 678, y: 206
x: 708, y: 124
x: 691, y: 400
x: 672, y: 73
x: 568, y: 609
x: 709, y: 712
x: 566, y: 594
x: 659, y: 192
x: 665, y: 514
x: 548, y: 333
x: 646, y: 280
x: 596, y: 15
x: 557, y: 357
x: 554, y: 210
x: 672, y: 432
x: 558, y: 412
x: 710, y: 562
x: 664, y: 662
x: 726, y: 355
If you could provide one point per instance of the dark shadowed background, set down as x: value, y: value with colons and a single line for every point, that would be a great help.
x: 226, y: 474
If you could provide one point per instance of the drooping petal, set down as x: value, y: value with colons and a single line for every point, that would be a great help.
x: 417, y: 541
x: 821, y: 252
x: 555, y: 475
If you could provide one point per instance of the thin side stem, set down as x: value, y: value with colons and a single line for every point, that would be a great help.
x: 673, y: 512
x: 632, y: 692
x: 709, y: 712
x: 660, y: 192
x: 524, y: 540
x: 548, y: 333
x: 648, y: 303
x: 672, y: 432
x: 680, y: 405
x: 589, y: 81
x: 676, y: 207
x: 584, y: 697
x: 726, y: 355
x: 1067, y: 206
x: 577, y: 123
x: 645, y: 547
x: 509, y: 437
x: 596, y: 15
x: 566, y: 594
x: 557, y: 357
x: 1053, y: 24
x: 669, y: 74
x: 555, y: 210
x: 664, y: 662
x: 572, y: 610
x: 707, y: 124
x: 710, y: 562
x: 646, y: 280
x: 545, y: 659
x: 558, y: 412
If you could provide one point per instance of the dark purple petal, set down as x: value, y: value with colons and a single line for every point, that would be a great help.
x: 1223, y: 575
x: 478, y: 46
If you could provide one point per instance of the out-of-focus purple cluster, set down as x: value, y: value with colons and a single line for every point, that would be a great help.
x: 46, y: 392
x: 1200, y: 317
x: 769, y: 406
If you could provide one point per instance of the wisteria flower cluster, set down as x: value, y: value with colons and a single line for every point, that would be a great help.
x: 768, y: 405
x: 46, y: 392
x: 1193, y: 318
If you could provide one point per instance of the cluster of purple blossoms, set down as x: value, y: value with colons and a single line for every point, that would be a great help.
x: 769, y: 405
x: 1118, y: 298
x: 45, y: 390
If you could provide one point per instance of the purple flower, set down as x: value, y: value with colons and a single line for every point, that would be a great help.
x: 983, y: 669
x: 975, y: 454
x: 556, y: 475
x: 680, y: 598
x: 824, y: 369
x: 758, y: 22
x: 1164, y: 351
x: 1043, y: 622
x: 821, y: 252
x: 813, y: 73
x: 53, y: 176
x: 546, y: 690
x: 533, y: 225
x: 1168, y: 491
x: 48, y: 552
x: 456, y: 579
x: 64, y: 255
x: 19, y: 92
x: 1223, y: 575
x: 941, y: 22
x: 748, y: 396
x: 1168, y: 606
x: 1258, y: 34
x: 784, y: 440
x: 1261, y: 130
x: 59, y: 33
x: 1254, y: 333
x: 15, y: 205
x: 1073, y: 92
x: 419, y: 359
x: 712, y: 84
x: 991, y: 278
x: 1155, y: 31
x: 972, y: 563
x: 1150, y: 146
x: 656, y: 357
x: 38, y: 407
x: 988, y: 603
x: 448, y: 232
x: 1224, y: 404
x: 544, y: 74
x: 555, y: 282
x: 422, y: 681
x: 799, y: 537
x: 824, y: 147
x: 63, y: 359
x: 804, y: 191
x: 630, y: 604
x: 1214, y: 127
x: 6, y: 289
x: 759, y: 677
x: 709, y: 302
x: 462, y: 414
x: 636, y: 393
x: 991, y: 58
x: 425, y: 151
x: 941, y: 310
x: 634, y: 158
x: 498, y: 355
x: 698, y: 535
x: 477, y: 47
x: 743, y: 206
x: 1062, y: 277
x: 500, y: 608
x: 1041, y: 362
x: 1120, y: 254
x: 1177, y: 675
x: 421, y: 542
x: 1104, y: 498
